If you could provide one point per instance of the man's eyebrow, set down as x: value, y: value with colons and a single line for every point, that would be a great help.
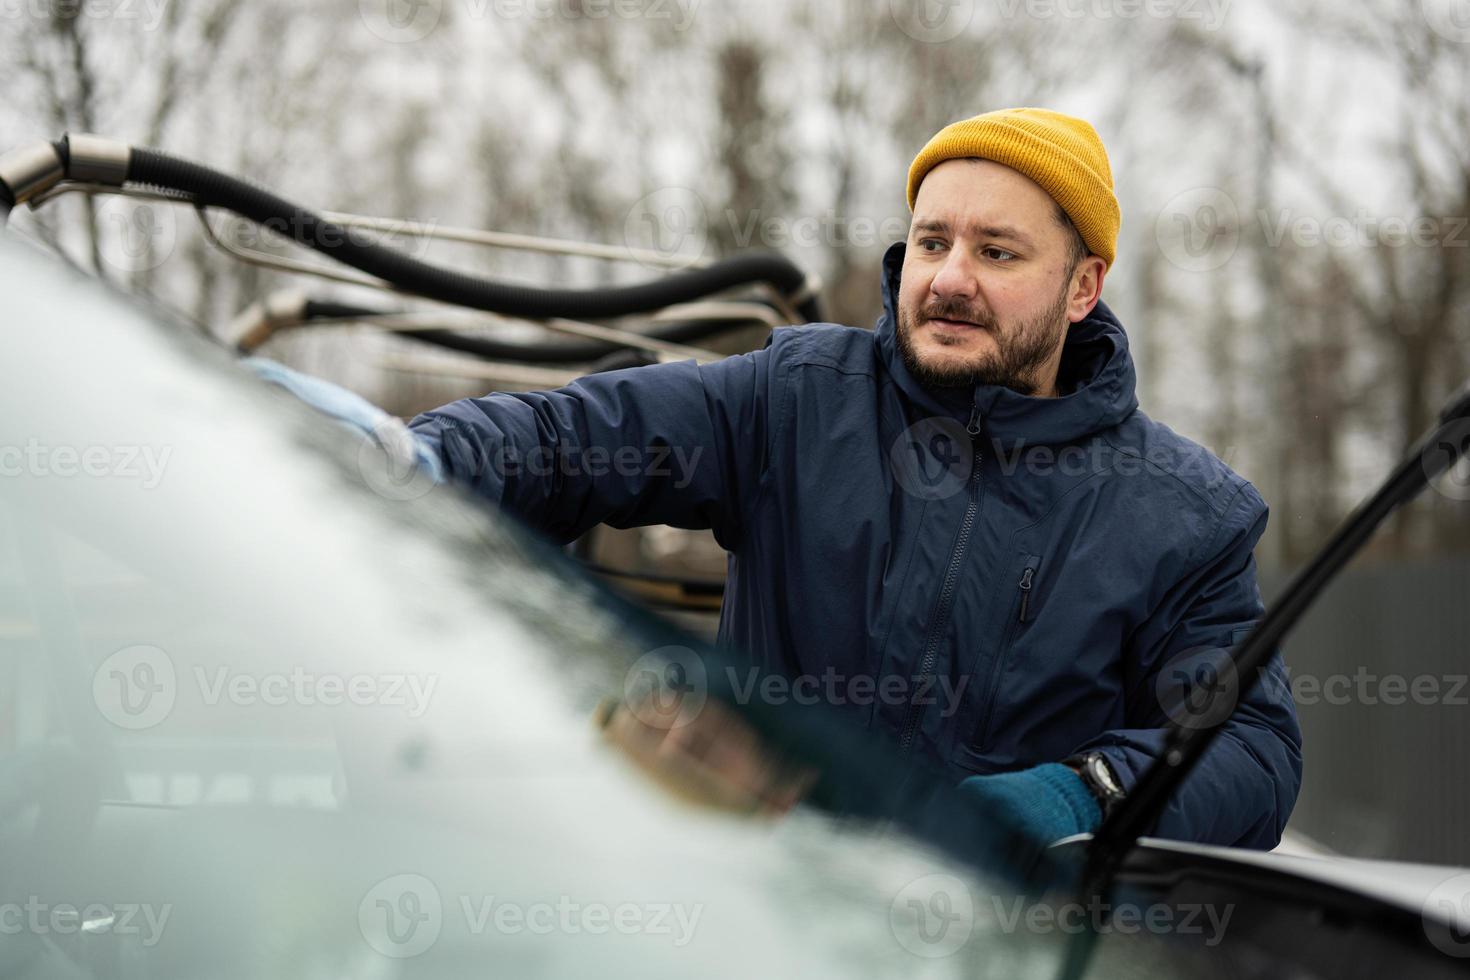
x: 940, y: 226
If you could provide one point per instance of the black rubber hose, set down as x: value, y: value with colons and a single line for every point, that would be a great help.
x: 326, y: 309
x: 570, y: 351
x: 210, y: 187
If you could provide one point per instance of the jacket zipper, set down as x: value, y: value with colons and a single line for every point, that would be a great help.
x: 951, y: 576
x: 981, y: 732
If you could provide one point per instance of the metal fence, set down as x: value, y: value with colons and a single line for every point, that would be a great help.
x: 1381, y: 672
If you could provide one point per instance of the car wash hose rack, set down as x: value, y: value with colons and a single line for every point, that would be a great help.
x: 38, y: 171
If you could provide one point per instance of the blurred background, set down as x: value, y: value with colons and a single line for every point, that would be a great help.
x: 1293, y: 268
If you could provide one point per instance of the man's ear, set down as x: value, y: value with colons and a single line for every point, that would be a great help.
x: 1086, y: 288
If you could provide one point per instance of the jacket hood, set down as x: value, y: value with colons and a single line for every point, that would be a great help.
x: 1096, y: 371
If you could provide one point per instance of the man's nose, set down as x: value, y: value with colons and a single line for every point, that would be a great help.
x: 957, y: 279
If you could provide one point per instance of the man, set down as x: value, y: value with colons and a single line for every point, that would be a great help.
x: 965, y: 500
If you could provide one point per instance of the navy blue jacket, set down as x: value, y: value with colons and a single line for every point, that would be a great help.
x: 1035, y: 576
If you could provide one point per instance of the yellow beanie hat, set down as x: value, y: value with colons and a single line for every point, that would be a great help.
x: 1061, y: 153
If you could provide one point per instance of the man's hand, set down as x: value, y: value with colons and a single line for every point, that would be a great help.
x: 1050, y: 801
x: 710, y: 757
x: 355, y: 412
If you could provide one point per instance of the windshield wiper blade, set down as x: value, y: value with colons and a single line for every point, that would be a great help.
x: 1431, y: 456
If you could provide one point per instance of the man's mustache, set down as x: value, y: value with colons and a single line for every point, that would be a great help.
x: 958, y: 311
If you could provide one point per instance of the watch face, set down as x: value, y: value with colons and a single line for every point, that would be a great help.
x: 1100, y: 770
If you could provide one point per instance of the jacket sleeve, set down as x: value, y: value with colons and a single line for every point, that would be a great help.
x: 679, y: 444
x: 1245, y: 785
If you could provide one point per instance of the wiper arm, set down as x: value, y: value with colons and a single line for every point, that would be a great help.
x: 1432, y: 456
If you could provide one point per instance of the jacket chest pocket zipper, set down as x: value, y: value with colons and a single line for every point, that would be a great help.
x: 1025, y: 588
x: 1022, y: 605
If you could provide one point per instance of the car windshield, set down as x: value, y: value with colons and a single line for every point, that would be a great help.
x: 341, y: 726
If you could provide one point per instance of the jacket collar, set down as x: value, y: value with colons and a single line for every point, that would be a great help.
x: 1096, y: 370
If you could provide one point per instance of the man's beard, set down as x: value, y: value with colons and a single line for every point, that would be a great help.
x: 1019, y: 357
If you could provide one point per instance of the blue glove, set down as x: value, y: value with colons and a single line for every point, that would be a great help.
x: 1049, y: 801
x: 356, y: 412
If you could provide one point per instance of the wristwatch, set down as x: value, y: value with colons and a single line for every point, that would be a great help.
x: 1099, y: 777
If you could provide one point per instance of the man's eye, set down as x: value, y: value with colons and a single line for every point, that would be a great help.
x: 999, y: 254
x: 926, y: 243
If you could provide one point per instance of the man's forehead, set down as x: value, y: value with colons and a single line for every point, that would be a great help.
x: 960, y: 173
x: 968, y: 195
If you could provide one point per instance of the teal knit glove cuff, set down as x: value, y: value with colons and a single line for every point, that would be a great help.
x: 1050, y: 801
